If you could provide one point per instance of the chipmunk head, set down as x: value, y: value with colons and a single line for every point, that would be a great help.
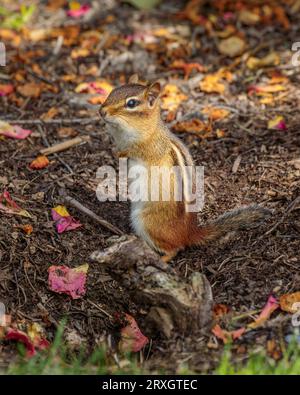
x: 132, y: 110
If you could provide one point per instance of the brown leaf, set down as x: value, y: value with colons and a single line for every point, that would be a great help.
x: 39, y: 163
x: 232, y: 46
x: 30, y: 89
x: 288, y: 302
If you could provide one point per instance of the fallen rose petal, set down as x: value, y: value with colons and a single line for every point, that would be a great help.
x: 13, y: 131
x: 77, y: 13
x: 132, y: 338
x: 8, y: 206
x: 6, y: 89
x: 63, y: 279
x: 39, y: 163
x: 277, y: 123
x: 271, y: 305
x: 22, y: 337
x: 32, y: 341
x: 63, y: 220
x: 226, y: 336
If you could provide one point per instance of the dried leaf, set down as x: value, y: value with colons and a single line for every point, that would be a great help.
x: 187, y: 67
x: 39, y: 163
x: 6, y: 89
x: 172, y: 97
x: 227, y: 336
x: 50, y: 114
x: 215, y: 113
x: 30, y: 89
x: 194, y: 125
x: 220, y: 309
x: 63, y: 279
x: 63, y: 220
x: 101, y: 88
x: 272, y: 59
x: 232, y: 46
x: 8, y: 206
x: 213, y: 83
x: 132, y: 338
x: 248, y: 17
x: 28, y: 229
x: 290, y: 302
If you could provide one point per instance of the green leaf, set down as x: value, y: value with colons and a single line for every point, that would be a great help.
x: 144, y: 4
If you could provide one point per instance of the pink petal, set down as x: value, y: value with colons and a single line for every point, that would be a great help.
x: 100, y: 91
x: 66, y: 223
x: 281, y: 125
x: 17, y: 133
x: 271, y: 305
x: 132, y: 337
x: 8, y: 206
x: 62, y: 279
x: 22, y: 337
x: 81, y: 11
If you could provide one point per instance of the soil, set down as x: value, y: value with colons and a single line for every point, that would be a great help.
x: 243, y: 270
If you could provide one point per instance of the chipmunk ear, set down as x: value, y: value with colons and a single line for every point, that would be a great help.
x: 153, y: 92
x: 134, y: 79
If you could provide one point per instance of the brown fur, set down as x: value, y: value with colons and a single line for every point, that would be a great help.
x: 168, y: 225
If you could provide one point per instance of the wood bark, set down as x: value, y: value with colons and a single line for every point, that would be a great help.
x: 174, y: 304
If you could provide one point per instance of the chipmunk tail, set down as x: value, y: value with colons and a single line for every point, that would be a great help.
x: 236, y: 220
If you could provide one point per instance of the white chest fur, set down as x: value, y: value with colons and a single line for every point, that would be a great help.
x: 138, y: 206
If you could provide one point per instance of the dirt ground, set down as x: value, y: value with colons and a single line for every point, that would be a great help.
x: 243, y: 271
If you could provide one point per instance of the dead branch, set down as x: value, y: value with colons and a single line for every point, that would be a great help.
x: 63, y: 146
x: 174, y: 303
x: 91, y: 214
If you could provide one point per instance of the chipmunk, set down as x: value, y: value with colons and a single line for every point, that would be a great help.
x: 132, y: 113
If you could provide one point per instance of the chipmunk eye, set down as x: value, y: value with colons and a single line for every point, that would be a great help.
x: 132, y: 103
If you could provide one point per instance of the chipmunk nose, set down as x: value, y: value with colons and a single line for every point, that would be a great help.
x: 102, y: 112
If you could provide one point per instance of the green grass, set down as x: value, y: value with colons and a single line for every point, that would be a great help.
x: 262, y: 364
x: 60, y: 360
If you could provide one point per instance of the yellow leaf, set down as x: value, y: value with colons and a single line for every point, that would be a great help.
x: 213, y: 82
x: 74, y: 5
x: 81, y: 269
x: 61, y: 210
x: 248, y: 17
x: 215, y: 113
x: 272, y: 59
x: 24, y: 213
x: 79, y: 53
x: 172, y: 97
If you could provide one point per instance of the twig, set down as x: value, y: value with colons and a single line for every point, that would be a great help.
x: 65, y: 121
x: 99, y: 308
x: 65, y: 145
x: 91, y: 214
